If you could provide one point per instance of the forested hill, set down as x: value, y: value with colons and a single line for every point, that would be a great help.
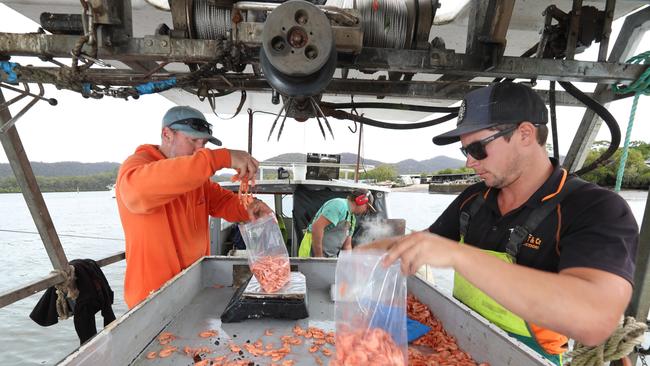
x: 63, y: 169
x: 67, y: 176
x: 409, y: 166
x: 77, y: 169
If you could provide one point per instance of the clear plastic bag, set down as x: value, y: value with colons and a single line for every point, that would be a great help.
x: 267, y: 255
x: 370, y: 311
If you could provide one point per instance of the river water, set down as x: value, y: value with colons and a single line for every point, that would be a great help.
x: 89, y: 227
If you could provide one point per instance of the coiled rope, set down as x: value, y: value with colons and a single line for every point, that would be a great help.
x: 66, y: 289
x: 621, y: 343
x: 640, y: 86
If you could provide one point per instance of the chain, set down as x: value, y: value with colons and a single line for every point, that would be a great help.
x: 643, y: 361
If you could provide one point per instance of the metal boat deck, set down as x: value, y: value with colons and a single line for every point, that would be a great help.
x: 194, y: 300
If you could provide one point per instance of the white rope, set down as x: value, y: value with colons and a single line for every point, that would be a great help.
x: 621, y: 343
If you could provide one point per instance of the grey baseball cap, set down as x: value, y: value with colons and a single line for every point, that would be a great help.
x: 497, y: 104
x: 189, y: 121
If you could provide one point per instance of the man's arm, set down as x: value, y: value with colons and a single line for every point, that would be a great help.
x: 144, y: 185
x: 317, y: 232
x: 571, y: 302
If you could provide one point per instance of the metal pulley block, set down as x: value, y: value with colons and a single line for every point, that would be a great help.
x: 298, y: 55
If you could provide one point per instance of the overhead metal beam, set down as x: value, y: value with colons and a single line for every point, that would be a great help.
x: 574, y: 28
x: 431, y: 90
x: 437, y: 62
x: 607, y: 30
x: 627, y: 41
x: 433, y: 61
x: 487, y: 27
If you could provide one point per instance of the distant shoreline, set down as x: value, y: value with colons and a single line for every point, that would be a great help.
x: 413, y: 188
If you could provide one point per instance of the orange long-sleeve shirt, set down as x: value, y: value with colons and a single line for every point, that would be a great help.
x: 164, y: 206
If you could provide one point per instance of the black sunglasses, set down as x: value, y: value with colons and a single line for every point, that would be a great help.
x: 477, y: 148
x: 196, y: 124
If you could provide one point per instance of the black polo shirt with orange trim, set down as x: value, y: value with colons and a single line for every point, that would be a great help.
x: 592, y: 227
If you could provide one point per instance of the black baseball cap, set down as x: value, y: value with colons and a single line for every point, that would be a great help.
x: 497, y: 104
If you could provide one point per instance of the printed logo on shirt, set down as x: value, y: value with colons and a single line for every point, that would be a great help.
x: 533, y: 242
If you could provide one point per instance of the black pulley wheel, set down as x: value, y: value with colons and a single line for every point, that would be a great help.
x: 297, y: 86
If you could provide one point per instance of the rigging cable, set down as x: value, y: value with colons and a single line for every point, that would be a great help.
x: 65, y: 235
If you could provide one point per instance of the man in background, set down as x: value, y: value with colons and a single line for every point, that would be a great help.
x: 333, y: 225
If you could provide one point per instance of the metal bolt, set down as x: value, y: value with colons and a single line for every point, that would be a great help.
x: 163, y: 43
x: 149, y: 43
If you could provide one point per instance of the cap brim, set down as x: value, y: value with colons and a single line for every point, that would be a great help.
x: 454, y: 135
x: 189, y: 131
x: 215, y: 141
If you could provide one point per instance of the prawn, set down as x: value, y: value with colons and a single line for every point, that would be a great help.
x: 245, y: 196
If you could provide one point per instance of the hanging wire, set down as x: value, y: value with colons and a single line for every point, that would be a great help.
x: 318, y: 112
x: 353, y: 110
x: 285, y: 109
x: 213, y: 105
x: 284, y: 119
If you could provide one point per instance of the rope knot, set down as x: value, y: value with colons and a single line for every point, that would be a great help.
x: 65, y: 290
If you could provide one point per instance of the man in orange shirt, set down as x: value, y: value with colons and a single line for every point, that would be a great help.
x: 164, y: 196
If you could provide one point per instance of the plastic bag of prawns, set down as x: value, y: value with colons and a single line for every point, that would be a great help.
x: 370, y: 308
x: 268, y: 258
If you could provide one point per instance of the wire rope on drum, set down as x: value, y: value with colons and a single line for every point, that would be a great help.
x: 211, y: 21
x: 385, y: 22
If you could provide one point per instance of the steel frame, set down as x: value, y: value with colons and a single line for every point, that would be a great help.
x: 143, y: 54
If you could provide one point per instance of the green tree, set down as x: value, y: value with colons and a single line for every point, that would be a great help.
x: 381, y: 173
x: 636, y: 174
x: 95, y: 182
x: 462, y: 170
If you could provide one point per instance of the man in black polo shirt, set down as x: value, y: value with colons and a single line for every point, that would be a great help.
x: 542, y: 254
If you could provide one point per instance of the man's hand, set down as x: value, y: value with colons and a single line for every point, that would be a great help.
x: 258, y: 209
x: 245, y: 165
x: 421, y: 248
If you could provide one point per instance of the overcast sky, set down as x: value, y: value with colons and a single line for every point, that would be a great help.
x: 110, y: 129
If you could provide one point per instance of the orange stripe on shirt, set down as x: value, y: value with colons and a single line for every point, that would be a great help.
x: 559, y: 188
